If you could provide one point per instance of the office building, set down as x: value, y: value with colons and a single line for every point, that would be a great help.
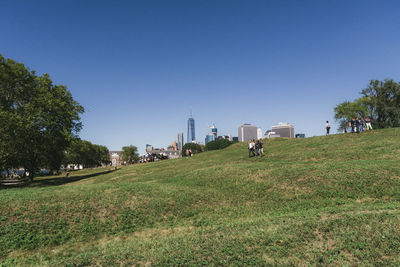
x: 259, y: 133
x: 209, y: 138
x: 247, y: 132
x: 191, y: 137
x: 180, y: 142
x: 214, y: 131
x: 284, y: 129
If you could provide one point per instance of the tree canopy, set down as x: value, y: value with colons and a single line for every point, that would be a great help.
x: 130, y: 154
x: 218, y: 144
x: 82, y: 152
x: 38, y: 119
x: 380, y: 101
x: 196, y: 148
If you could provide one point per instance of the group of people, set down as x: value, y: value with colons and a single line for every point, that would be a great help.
x: 256, y: 148
x: 356, y: 124
x: 359, y: 124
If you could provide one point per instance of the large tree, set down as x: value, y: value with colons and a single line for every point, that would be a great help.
x: 130, y: 154
x: 380, y: 102
x: 38, y: 119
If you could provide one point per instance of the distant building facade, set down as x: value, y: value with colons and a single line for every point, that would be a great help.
x: 247, y: 132
x: 284, y: 129
x: 173, y: 147
x: 271, y: 134
x: 259, y: 133
x: 180, y: 142
x: 149, y: 148
x: 115, y: 158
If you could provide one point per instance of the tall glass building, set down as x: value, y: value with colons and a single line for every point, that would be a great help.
x: 191, y: 132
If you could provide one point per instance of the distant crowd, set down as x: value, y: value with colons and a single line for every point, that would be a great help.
x: 256, y: 148
x: 356, y: 125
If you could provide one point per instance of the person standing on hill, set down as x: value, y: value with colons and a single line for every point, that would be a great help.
x: 256, y: 146
x: 352, y: 124
x: 357, y: 123
x: 327, y: 127
x: 368, y: 123
x: 361, y: 125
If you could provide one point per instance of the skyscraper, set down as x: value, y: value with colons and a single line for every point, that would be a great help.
x: 191, y: 132
x: 180, y: 142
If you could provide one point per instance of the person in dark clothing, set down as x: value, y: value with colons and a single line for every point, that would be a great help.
x: 328, y: 127
x: 256, y: 147
x: 357, y: 125
x: 361, y: 125
x: 260, y: 147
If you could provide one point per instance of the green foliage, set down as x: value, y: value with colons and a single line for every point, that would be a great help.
x: 196, y: 148
x: 130, y: 154
x: 38, y: 119
x: 347, y: 110
x: 316, y: 201
x: 82, y: 152
x: 380, y: 102
x: 218, y: 144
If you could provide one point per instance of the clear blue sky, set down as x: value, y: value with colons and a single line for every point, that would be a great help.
x: 139, y: 67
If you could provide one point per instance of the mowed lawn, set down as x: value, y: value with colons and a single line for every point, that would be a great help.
x: 322, y: 201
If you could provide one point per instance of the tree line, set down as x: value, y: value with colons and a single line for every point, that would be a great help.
x: 39, y: 124
x: 380, y: 101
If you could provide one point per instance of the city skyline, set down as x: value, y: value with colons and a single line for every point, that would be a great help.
x: 229, y: 62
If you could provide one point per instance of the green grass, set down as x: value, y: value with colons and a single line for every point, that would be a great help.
x: 318, y: 201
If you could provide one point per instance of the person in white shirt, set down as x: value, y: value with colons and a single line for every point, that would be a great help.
x: 251, y: 148
x: 327, y: 127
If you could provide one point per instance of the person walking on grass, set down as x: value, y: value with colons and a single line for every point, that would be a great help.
x: 368, y: 123
x: 260, y: 147
x: 352, y: 124
x: 327, y: 127
x: 256, y: 147
x: 251, y: 148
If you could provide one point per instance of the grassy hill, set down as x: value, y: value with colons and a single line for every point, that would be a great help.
x: 324, y: 201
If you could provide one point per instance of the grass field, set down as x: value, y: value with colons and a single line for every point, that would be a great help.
x: 318, y: 201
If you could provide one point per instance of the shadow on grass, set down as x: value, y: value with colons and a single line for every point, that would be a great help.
x: 57, y: 180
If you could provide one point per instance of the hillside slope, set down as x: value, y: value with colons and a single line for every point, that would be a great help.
x: 322, y: 200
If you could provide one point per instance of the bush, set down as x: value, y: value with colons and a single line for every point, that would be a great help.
x: 196, y: 148
x: 218, y: 144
